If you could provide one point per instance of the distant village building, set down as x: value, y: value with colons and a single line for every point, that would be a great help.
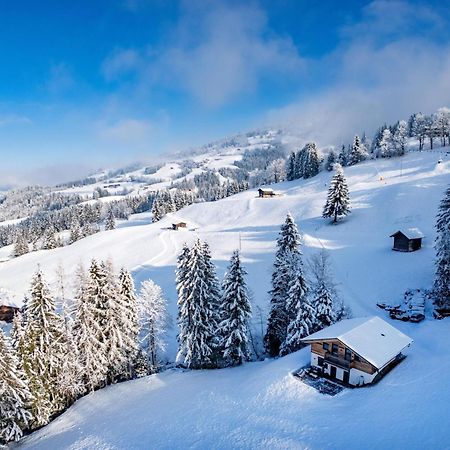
x: 175, y: 226
x: 357, y: 351
x: 408, y: 240
x: 7, y: 312
x: 266, y: 192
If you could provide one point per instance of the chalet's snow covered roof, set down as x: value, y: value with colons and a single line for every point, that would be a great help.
x: 370, y: 337
x: 410, y: 233
x: 7, y: 299
x: 266, y: 189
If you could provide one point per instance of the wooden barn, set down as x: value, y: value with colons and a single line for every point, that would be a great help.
x: 175, y: 226
x: 408, y: 240
x: 7, y: 312
x: 357, y: 351
x: 266, y: 193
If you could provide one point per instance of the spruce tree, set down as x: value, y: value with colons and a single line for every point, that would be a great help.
x: 43, y: 351
x: 441, y: 287
x: 20, y: 246
x: 130, y: 326
x: 90, y: 321
x: 358, y: 152
x: 110, y: 223
x: 14, y: 395
x: 290, y: 167
x: 331, y: 160
x: 197, y: 317
x: 337, y: 203
x: 283, y: 275
x: 311, y: 161
x: 323, y: 307
x: 300, y: 312
x: 235, y: 314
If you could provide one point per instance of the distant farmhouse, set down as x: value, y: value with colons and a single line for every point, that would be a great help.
x: 7, y: 312
x: 266, y: 193
x: 175, y: 226
x: 357, y: 351
x: 408, y: 240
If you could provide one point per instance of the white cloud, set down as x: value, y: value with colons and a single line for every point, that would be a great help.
x: 128, y: 131
x: 215, y: 53
x: 377, y: 80
x: 14, y: 119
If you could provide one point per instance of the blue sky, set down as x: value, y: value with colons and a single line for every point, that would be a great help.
x: 101, y: 83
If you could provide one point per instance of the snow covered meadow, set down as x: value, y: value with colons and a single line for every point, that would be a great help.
x: 260, y: 405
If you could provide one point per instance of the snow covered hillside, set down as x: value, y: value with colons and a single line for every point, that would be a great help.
x: 260, y: 405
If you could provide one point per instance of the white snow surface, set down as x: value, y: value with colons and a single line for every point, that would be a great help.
x: 260, y: 405
x: 370, y: 337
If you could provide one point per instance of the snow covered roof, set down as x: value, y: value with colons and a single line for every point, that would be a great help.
x: 370, y: 337
x: 6, y: 299
x: 266, y: 189
x: 410, y: 233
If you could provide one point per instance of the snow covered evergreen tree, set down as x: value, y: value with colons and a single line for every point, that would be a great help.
x: 283, y: 275
x: 75, y: 231
x: 88, y: 329
x: 20, y: 246
x: 130, y: 327
x: 337, y: 203
x: 290, y: 167
x: 197, y: 318
x: 154, y: 320
x: 309, y: 160
x: 358, y: 152
x: 14, y: 395
x: 49, y: 239
x: 386, y: 145
x: 110, y: 222
x: 235, y: 314
x: 400, y: 138
x: 441, y: 287
x: 44, y: 351
x: 331, y: 160
x: 299, y: 310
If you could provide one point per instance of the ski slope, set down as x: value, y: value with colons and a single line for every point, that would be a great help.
x: 260, y: 405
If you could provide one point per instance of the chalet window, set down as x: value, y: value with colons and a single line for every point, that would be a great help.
x: 348, y: 354
x: 326, y: 346
x: 357, y: 358
x: 320, y: 361
x: 334, y: 349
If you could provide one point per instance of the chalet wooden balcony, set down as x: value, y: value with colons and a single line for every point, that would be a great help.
x: 336, y: 361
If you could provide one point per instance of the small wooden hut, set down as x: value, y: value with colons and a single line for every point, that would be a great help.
x: 266, y: 193
x: 175, y: 226
x: 408, y: 240
x: 7, y: 312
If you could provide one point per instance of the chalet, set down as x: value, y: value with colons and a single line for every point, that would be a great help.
x: 7, y: 312
x: 175, y: 226
x: 357, y: 351
x: 266, y: 192
x: 408, y: 240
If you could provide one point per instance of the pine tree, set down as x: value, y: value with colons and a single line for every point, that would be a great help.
x: 283, y: 275
x: 337, y: 203
x: 130, y: 327
x: 358, y: 152
x: 300, y: 312
x: 310, y: 160
x: 157, y: 210
x: 43, y: 352
x: 20, y: 246
x: 323, y: 307
x: 235, y: 314
x: 49, y: 240
x: 290, y: 167
x: 400, y: 138
x: 110, y: 223
x: 331, y: 160
x: 88, y: 330
x: 343, y: 157
x: 197, y: 317
x: 75, y: 231
x: 441, y: 287
x: 154, y: 320
x: 14, y: 395
x: 386, y: 145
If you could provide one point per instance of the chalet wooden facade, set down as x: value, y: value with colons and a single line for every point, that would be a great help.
x: 266, y: 193
x: 7, y: 312
x: 408, y: 240
x: 175, y: 226
x: 357, y: 351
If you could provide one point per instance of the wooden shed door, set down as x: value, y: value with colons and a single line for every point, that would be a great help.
x: 346, y: 378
